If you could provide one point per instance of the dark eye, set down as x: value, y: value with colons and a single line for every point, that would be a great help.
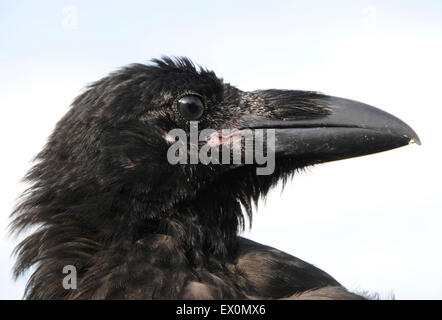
x: 190, y: 107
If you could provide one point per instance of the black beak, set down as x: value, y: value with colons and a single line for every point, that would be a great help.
x: 349, y: 129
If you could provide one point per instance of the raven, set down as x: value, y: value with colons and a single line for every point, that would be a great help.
x: 105, y: 200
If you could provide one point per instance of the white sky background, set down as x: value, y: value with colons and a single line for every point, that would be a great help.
x: 374, y: 223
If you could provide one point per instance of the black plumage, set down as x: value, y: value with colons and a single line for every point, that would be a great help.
x: 104, y: 199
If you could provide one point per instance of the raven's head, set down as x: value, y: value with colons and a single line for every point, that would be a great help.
x: 105, y: 171
x: 119, y: 133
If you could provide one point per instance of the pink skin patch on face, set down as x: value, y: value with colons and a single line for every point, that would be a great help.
x: 230, y: 138
x: 221, y: 138
x: 169, y: 138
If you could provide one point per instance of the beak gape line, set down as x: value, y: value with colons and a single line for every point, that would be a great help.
x: 238, y: 147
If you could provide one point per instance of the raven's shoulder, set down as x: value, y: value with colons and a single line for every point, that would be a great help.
x: 271, y: 273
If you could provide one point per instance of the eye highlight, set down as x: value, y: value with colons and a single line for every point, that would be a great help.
x: 190, y: 107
